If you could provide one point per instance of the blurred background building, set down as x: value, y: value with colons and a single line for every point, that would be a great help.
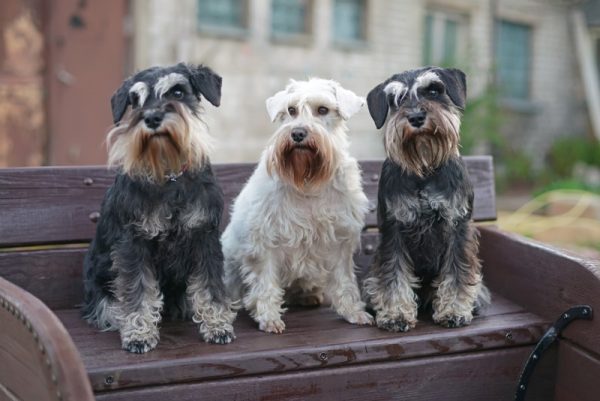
x: 61, y: 60
x: 532, y: 67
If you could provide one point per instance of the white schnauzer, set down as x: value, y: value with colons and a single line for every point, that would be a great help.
x: 297, y: 222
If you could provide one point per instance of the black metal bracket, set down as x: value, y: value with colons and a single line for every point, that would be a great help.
x: 574, y: 313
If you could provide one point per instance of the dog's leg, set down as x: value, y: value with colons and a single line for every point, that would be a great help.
x: 139, y: 298
x: 459, y: 284
x: 390, y: 286
x: 264, y: 296
x: 343, y: 290
x: 212, y: 308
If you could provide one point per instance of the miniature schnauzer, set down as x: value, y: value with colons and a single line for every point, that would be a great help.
x: 157, y: 242
x: 425, y: 199
x: 297, y: 222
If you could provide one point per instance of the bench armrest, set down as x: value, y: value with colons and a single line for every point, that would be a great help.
x: 38, y: 360
x: 543, y: 279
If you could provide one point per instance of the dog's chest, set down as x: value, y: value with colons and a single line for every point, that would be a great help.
x: 171, y: 213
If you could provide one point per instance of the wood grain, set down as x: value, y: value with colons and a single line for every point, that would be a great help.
x: 52, y: 205
x: 577, y: 374
x: 38, y: 359
x: 315, y: 338
x: 544, y: 280
x: 487, y: 375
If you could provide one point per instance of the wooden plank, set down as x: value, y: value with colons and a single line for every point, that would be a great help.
x: 38, y: 359
x: 543, y: 280
x: 55, y: 275
x: 315, y: 338
x: 488, y: 375
x: 577, y: 374
x: 51, y: 205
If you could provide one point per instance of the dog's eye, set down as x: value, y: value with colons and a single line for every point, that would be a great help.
x: 433, y: 92
x: 177, y: 94
x: 322, y: 110
x: 133, y: 99
x: 292, y: 111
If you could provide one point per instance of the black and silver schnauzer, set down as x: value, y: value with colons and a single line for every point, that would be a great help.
x: 157, y: 247
x: 428, y: 249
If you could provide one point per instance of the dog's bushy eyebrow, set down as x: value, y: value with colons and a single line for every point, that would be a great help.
x: 168, y: 81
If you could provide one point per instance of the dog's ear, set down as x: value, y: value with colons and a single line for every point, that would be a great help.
x: 378, y: 104
x: 120, y: 100
x: 456, y: 85
x: 206, y: 82
x: 276, y: 103
x: 348, y: 102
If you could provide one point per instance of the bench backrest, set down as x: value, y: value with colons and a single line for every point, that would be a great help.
x: 48, y: 215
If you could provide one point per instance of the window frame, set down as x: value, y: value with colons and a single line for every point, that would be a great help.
x: 440, y: 17
x: 511, y: 98
x: 352, y: 44
x: 304, y: 38
x: 240, y: 32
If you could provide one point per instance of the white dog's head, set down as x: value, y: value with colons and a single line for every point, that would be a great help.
x: 305, y: 149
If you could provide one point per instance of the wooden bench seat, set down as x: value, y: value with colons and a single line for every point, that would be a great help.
x: 47, y: 218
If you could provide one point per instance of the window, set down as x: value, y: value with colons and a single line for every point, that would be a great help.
x: 290, y: 18
x: 349, y: 20
x: 226, y: 16
x: 445, y: 39
x: 513, y: 59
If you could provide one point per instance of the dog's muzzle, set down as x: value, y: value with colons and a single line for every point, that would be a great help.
x: 299, y: 134
x: 416, y: 118
x: 153, y: 118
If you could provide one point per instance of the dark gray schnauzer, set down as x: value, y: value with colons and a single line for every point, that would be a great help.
x: 428, y: 249
x: 157, y: 242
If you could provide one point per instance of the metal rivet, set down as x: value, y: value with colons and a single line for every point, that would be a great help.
x: 94, y: 216
x: 109, y: 380
x: 88, y: 181
x: 535, y: 356
x: 369, y: 249
x: 585, y: 312
x: 522, y: 387
x: 323, y: 356
x: 375, y: 177
x: 372, y: 207
x: 509, y: 335
x: 566, y: 316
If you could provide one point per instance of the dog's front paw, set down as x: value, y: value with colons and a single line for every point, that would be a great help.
x: 139, y: 341
x: 360, y: 317
x: 396, y: 325
x: 453, y: 321
x: 219, y: 336
x: 272, y: 326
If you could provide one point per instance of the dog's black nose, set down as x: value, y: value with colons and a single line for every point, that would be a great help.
x: 298, y: 134
x: 417, y: 119
x: 153, y: 118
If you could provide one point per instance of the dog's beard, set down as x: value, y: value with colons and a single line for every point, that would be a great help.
x: 422, y: 150
x: 306, y: 166
x: 155, y: 154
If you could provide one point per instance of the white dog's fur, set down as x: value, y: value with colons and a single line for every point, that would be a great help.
x: 300, y: 237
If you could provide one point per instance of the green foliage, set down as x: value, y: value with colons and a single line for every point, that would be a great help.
x: 569, y: 184
x: 568, y: 151
x: 481, y: 121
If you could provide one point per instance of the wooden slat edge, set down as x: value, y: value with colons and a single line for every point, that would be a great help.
x: 64, y: 365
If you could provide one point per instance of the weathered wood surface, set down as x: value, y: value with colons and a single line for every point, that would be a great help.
x: 315, y: 338
x: 544, y: 280
x: 38, y: 360
x: 577, y: 375
x: 55, y: 275
x: 54, y: 204
x: 487, y: 375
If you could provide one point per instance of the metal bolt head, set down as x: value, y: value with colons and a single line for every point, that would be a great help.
x: 94, y: 216
x: 109, y: 380
x: 323, y: 356
x: 566, y: 316
x: 369, y: 249
x: 509, y: 335
x: 88, y: 181
x: 535, y: 357
x: 375, y: 177
x: 522, y: 387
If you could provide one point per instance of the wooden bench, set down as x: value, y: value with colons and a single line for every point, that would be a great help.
x: 47, y: 352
